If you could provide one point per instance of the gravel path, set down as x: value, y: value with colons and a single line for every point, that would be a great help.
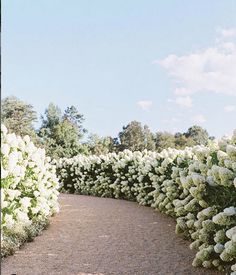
x: 105, y: 236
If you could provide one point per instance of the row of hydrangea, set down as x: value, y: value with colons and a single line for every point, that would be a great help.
x: 29, y: 190
x: 196, y: 186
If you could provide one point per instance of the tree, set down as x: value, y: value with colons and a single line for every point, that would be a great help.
x: 181, y: 141
x: 100, y: 145
x: 75, y: 118
x: 148, y: 138
x: 135, y: 137
x: 164, y: 140
x: 52, y: 117
x: 64, y: 141
x: 132, y: 137
x: 116, y: 145
x: 61, y: 134
x: 18, y: 116
x: 197, y: 134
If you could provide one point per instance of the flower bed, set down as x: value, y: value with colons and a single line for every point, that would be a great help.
x: 29, y: 191
x: 196, y: 186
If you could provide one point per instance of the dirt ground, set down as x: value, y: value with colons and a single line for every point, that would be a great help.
x: 105, y: 236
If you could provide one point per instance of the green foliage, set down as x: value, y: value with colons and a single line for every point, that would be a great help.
x: 13, y: 242
x: 181, y: 141
x: 195, y: 135
x: 136, y: 138
x: 149, y: 142
x: 100, y: 145
x: 198, y: 135
x: 61, y: 134
x: 75, y: 118
x: 52, y: 118
x: 196, y: 186
x: 18, y: 116
x: 164, y: 140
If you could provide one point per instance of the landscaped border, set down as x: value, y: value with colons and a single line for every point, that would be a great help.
x: 29, y: 191
x: 196, y: 186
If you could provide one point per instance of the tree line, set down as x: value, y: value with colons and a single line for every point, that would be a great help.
x: 61, y: 133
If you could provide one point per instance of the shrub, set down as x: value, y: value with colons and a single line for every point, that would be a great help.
x: 196, y: 186
x: 29, y: 190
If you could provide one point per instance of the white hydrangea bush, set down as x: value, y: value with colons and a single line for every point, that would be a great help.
x: 196, y: 186
x: 29, y: 186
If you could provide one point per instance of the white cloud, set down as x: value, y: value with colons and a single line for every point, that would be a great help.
x: 171, y: 120
x: 210, y: 70
x: 230, y: 32
x: 198, y: 119
x: 230, y: 108
x: 184, y: 101
x: 145, y: 104
x: 174, y: 119
x: 182, y: 91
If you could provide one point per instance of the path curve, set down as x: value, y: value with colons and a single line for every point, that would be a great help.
x: 105, y: 236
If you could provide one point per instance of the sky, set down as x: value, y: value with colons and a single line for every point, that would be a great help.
x: 168, y: 64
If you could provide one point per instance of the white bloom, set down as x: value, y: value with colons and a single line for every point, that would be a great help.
x: 12, y: 140
x: 219, y: 248
x: 22, y: 217
x: 4, y: 173
x: 230, y: 211
x: 25, y: 202
x: 26, y: 139
x: 5, y: 149
x: 231, y: 232
x: 3, y: 129
x: 12, y: 160
x: 9, y: 221
x: 16, y: 171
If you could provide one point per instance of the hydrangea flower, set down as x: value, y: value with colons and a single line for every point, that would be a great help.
x: 196, y: 186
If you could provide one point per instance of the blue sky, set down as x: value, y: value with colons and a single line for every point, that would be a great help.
x: 168, y: 64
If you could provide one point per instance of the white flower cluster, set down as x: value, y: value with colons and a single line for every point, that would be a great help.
x: 29, y: 186
x: 196, y: 186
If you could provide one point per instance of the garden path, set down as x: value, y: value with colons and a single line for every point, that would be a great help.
x: 105, y: 236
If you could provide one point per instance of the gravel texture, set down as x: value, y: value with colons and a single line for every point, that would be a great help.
x: 105, y: 236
